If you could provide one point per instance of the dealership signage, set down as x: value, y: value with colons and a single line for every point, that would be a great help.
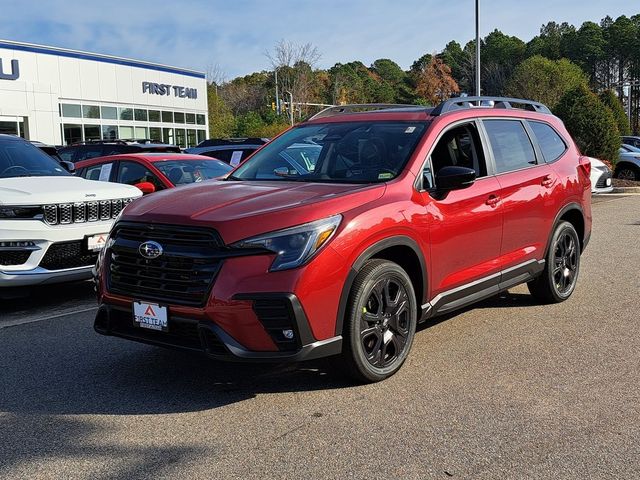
x: 168, y: 90
x: 15, y: 71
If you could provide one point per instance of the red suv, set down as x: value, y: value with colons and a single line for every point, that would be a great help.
x: 407, y: 213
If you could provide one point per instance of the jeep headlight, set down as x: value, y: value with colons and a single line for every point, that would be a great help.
x: 19, y: 212
x: 296, y: 245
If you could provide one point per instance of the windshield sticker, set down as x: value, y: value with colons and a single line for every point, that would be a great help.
x: 410, y: 130
x: 385, y: 176
x: 105, y: 172
x: 235, y: 158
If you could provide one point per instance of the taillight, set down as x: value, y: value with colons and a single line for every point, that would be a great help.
x: 585, y: 164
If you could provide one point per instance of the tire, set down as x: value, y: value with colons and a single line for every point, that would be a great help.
x: 381, y: 322
x: 560, y: 275
x: 628, y: 172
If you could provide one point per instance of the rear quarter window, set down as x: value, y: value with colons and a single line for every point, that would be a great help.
x: 551, y: 143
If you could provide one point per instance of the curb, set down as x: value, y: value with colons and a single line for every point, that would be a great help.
x: 627, y: 190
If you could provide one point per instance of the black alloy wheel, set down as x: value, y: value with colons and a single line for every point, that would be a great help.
x: 562, y: 265
x: 382, y: 321
x: 628, y: 173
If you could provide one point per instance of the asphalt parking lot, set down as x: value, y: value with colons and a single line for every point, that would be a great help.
x: 507, y: 389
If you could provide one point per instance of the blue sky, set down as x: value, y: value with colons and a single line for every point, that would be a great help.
x: 235, y: 34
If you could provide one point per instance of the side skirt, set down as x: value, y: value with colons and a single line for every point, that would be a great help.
x: 477, y: 290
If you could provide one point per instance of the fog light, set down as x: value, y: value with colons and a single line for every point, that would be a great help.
x: 288, y: 334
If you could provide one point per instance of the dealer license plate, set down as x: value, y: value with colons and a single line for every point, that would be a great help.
x: 151, y: 316
x: 96, y: 242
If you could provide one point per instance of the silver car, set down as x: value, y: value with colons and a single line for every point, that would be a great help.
x: 628, y: 166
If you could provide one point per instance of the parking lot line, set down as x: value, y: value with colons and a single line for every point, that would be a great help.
x: 14, y: 323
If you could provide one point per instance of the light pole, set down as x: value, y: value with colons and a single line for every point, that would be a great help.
x: 277, y: 94
x: 477, y: 48
x: 290, y: 105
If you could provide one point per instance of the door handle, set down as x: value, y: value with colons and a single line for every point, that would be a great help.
x: 493, y: 201
x: 547, y: 181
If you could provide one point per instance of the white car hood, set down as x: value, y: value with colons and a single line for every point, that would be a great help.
x: 48, y: 190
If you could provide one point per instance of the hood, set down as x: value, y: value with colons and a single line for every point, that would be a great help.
x: 242, y: 209
x: 64, y: 189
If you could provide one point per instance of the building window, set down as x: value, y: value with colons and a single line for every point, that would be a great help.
x: 72, y: 133
x: 181, y: 139
x: 110, y: 113
x: 140, y: 115
x: 192, y: 138
x: 191, y: 118
x: 91, y: 132
x: 167, y: 135
x: 155, y: 133
x: 71, y: 110
x: 202, y: 136
x: 200, y: 120
x: 90, y: 111
x: 109, y: 132
x: 154, y: 115
x: 179, y: 116
x: 126, y: 133
x: 167, y: 117
x: 141, y: 133
x: 126, y: 114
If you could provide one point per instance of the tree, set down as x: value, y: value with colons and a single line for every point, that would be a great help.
x: 500, y: 54
x: 611, y: 100
x: 552, y: 41
x: 435, y: 83
x: 544, y: 80
x: 590, y: 123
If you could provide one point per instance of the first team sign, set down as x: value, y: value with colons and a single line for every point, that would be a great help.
x: 150, y: 315
x: 166, y: 89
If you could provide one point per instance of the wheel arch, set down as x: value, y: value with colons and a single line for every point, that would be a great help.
x: 573, y: 214
x: 399, y: 249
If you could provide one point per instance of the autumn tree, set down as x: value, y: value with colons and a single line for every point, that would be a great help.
x: 435, y: 83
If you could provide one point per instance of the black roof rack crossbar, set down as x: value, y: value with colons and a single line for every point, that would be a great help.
x: 358, y: 107
x: 459, y: 103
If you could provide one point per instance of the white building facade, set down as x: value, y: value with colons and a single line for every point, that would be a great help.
x: 59, y: 96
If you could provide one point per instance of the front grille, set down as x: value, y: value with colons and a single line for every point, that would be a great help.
x: 14, y: 257
x: 81, y: 212
x: 276, y: 315
x: 182, y: 275
x: 63, y: 255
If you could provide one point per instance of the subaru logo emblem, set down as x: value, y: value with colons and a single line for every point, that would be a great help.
x: 150, y: 250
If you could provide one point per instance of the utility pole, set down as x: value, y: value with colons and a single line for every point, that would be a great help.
x: 277, y: 94
x: 290, y: 105
x: 477, y: 48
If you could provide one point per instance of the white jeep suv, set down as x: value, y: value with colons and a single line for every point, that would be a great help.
x: 52, y: 224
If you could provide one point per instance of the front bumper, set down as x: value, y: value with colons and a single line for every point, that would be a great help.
x: 603, y: 184
x: 37, y: 267
x: 204, y: 336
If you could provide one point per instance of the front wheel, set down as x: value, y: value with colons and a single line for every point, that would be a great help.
x: 627, y: 172
x: 381, y: 321
x: 560, y: 275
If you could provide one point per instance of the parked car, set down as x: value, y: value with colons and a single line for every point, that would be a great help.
x: 600, y: 177
x: 151, y: 172
x: 52, y: 224
x: 628, y: 165
x: 410, y: 212
x: 100, y: 148
x: 631, y: 140
x: 230, y: 150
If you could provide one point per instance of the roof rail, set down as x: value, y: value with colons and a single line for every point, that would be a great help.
x: 358, y: 107
x: 459, y: 103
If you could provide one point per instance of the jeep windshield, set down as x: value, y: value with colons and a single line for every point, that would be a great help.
x: 21, y: 159
x: 349, y: 152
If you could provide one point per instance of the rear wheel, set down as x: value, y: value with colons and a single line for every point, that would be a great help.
x: 381, y: 321
x: 558, y: 280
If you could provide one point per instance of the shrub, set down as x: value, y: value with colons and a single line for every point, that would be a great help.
x: 590, y: 123
x: 612, y: 101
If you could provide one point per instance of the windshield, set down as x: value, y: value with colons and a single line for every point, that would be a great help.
x: 630, y: 148
x: 21, y: 159
x: 350, y: 152
x: 183, y: 172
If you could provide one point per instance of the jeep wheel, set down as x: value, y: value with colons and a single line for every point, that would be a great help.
x: 558, y: 280
x: 381, y: 321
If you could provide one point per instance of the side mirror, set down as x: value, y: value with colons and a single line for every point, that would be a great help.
x: 454, y: 178
x: 146, y: 187
x: 68, y: 166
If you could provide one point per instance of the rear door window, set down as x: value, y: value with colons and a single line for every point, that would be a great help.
x: 100, y: 172
x: 551, y: 144
x: 512, y: 148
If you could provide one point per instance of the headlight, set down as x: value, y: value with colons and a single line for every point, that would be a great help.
x: 294, y: 246
x: 7, y: 212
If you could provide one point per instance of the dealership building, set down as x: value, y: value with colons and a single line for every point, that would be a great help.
x: 61, y: 96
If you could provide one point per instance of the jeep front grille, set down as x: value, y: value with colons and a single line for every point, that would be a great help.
x: 81, y: 212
